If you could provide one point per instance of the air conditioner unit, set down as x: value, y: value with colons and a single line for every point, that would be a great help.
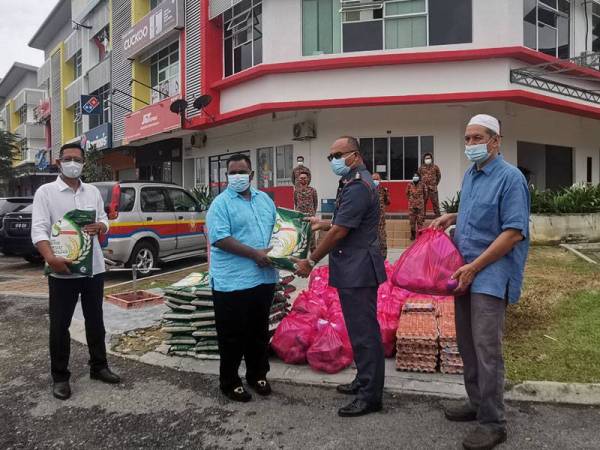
x: 198, y: 140
x: 304, y: 131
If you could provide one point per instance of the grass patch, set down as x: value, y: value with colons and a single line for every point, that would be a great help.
x: 561, y: 299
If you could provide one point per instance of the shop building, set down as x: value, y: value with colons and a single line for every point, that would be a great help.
x: 20, y: 100
x: 287, y: 77
x: 147, y: 79
x: 76, y: 40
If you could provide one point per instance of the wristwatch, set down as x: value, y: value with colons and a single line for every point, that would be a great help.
x: 311, y: 263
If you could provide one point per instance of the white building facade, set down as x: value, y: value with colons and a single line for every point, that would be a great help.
x: 287, y: 77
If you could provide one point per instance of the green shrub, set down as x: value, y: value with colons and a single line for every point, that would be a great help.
x: 577, y: 199
x: 450, y: 205
x: 203, y: 195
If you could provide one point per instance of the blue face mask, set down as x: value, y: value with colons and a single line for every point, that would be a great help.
x: 477, y: 153
x: 376, y: 182
x: 239, y: 182
x: 339, y: 167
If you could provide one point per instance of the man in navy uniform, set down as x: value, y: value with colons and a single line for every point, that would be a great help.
x: 356, y: 269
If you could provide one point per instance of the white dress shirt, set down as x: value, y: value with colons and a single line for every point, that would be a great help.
x: 53, y: 200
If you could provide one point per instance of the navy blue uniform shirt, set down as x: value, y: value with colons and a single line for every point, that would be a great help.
x: 357, y: 260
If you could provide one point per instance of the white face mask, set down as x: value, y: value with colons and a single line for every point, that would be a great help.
x: 428, y: 161
x: 71, y: 169
x: 300, y: 163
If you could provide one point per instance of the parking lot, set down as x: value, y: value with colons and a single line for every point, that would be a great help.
x: 20, y: 277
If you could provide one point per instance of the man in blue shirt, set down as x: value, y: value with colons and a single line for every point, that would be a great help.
x: 492, y: 234
x: 240, y: 222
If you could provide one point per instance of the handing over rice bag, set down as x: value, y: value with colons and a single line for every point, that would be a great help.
x: 291, y: 238
x: 68, y: 240
x: 427, y: 266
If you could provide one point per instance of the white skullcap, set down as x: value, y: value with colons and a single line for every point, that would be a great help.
x: 484, y: 120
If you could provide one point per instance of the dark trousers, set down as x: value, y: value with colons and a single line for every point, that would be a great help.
x: 435, y: 203
x: 64, y: 294
x: 242, y: 321
x: 359, y: 306
x: 479, y: 332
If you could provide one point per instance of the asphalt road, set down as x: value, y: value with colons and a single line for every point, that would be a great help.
x: 163, y: 408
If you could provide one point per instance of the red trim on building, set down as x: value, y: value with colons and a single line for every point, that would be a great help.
x: 211, y: 51
x: 515, y: 96
x: 524, y: 54
x: 182, y: 91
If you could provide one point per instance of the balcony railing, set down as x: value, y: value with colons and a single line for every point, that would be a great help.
x: 30, y: 131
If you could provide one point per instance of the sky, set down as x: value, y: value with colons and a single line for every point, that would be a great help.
x: 19, y: 20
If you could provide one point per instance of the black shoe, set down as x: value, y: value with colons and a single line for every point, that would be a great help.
x: 484, y: 438
x: 348, y: 389
x: 460, y: 413
x: 358, y: 408
x: 237, y: 394
x: 262, y: 387
x: 61, y: 390
x: 105, y: 375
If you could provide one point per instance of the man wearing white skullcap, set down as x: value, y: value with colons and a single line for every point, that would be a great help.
x: 492, y: 234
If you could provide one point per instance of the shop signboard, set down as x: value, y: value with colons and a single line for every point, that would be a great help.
x: 151, y: 120
x: 166, y: 17
x: 98, y: 138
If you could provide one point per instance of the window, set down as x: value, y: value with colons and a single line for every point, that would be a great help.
x: 546, y: 26
x: 182, y: 201
x: 199, y: 171
x: 154, y: 200
x: 405, y: 23
x: 395, y: 158
x: 154, y: 4
x: 23, y: 114
x: 321, y: 27
x: 164, y: 72
x: 77, y: 123
x: 362, y: 26
x: 242, y: 36
x: 102, y: 41
x: 127, y: 200
x: 284, y: 163
x: 383, y: 24
x: 103, y: 95
x: 265, y: 169
x: 23, y: 149
x: 595, y: 27
x: 77, y: 65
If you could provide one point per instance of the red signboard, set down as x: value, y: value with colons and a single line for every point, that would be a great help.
x: 151, y: 120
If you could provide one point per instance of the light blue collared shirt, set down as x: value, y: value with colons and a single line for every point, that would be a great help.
x: 492, y: 200
x: 250, y: 222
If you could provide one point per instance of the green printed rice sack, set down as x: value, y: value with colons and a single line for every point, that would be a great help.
x: 68, y: 240
x: 291, y: 238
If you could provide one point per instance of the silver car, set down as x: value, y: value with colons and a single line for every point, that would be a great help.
x: 151, y: 223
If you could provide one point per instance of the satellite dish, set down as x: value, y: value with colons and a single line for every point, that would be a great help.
x: 179, y: 106
x: 202, y: 102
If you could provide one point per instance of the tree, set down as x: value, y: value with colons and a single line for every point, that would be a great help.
x: 8, y: 154
x: 93, y: 169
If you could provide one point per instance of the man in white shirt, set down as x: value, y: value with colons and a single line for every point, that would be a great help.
x: 51, y: 202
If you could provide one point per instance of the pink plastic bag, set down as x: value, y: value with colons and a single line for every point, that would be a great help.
x: 310, y: 304
x: 427, y: 266
x: 331, y: 350
x: 293, y: 337
x: 388, y: 325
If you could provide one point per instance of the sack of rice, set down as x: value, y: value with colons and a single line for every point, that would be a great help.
x: 290, y: 239
x: 68, y: 240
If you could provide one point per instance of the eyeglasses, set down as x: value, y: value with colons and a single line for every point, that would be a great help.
x: 70, y: 159
x: 338, y: 155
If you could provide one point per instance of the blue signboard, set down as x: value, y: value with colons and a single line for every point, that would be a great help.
x: 90, y: 105
x: 41, y: 160
x: 99, y: 138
